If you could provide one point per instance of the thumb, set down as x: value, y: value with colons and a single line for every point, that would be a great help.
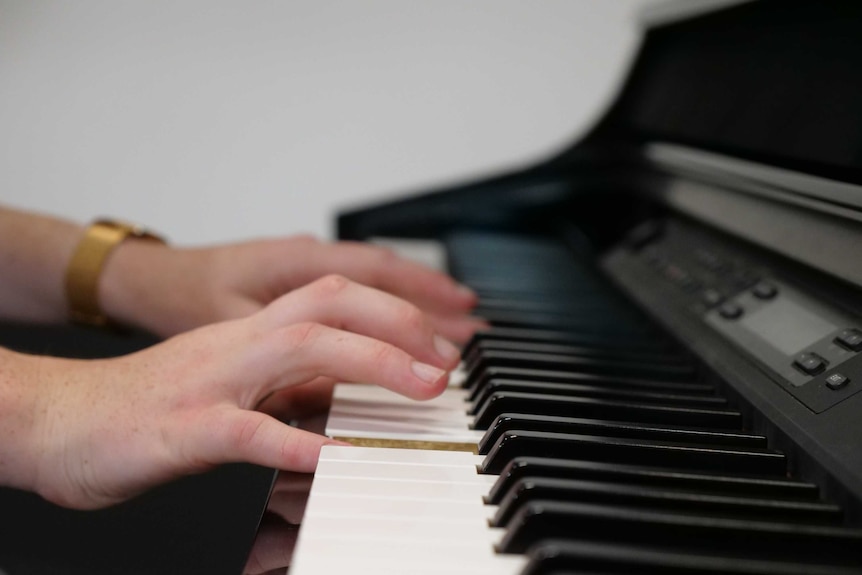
x: 255, y: 437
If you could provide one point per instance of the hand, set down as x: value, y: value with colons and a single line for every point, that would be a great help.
x: 93, y: 433
x: 167, y: 291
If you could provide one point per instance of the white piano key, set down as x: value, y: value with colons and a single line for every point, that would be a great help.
x: 366, y: 411
x: 322, y: 556
x: 408, y: 506
x: 400, y: 456
x: 376, y: 510
x: 440, y: 491
x: 406, y: 472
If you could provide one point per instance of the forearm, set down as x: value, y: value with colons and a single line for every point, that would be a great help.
x: 34, y: 253
x: 139, y: 277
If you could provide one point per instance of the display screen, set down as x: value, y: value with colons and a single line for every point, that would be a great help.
x: 787, y: 326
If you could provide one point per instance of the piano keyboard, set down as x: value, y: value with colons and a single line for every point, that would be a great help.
x: 578, y: 438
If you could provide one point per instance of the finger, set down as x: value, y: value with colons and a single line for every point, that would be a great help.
x: 458, y: 329
x: 343, y: 304
x: 304, y: 401
x: 304, y: 352
x: 383, y: 269
x: 254, y: 437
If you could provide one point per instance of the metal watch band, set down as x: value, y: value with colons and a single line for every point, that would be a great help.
x: 88, y: 260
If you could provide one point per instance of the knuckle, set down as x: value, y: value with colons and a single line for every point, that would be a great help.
x: 301, y: 335
x: 383, y: 254
x: 384, y: 354
x: 382, y: 260
x: 331, y: 285
x: 246, y: 433
x: 412, y: 318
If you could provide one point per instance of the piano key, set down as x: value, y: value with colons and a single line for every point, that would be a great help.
x: 549, y: 519
x: 596, y: 391
x: 561, y: 405
x: 480, y: 345
x: 386, y: 510
x: 478, y: 380
x: 637, y: 451
x: 656, y: 498
x: 370, y: 415
x: 605, y: 428
x: 582, y: 365
x: 567, y: 337
x: 715, y: 482
x: 566, y: 556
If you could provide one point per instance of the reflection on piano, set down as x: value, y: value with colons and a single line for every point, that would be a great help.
x: 671, y: 382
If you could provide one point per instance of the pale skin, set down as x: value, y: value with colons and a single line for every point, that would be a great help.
x: 268, y: 324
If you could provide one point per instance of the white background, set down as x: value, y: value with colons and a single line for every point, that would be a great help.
x: 217, y: 120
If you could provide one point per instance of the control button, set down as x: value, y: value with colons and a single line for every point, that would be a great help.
x: 837, y: 380
x: 744, y: 279
x: 655, y: 258
x: 675, y: 273
x: 810, y: 363
x: 712, y: 297
x: 711, y: 261
x: 730, y: 310
x: 764, y: 290
x: 644, y: 234
x: 690, y: 285
x: 850, y: 339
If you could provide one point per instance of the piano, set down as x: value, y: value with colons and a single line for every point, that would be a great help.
x: 671, y: 379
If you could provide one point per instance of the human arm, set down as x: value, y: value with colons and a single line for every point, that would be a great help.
x: 34, y: 252
x: 167, y: 290
x: 91, y: 433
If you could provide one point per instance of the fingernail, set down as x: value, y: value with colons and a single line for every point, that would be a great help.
x: 466, y: 291
x: 445, y: 349
x: 425, y: 372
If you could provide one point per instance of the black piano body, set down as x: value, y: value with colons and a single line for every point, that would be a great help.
x: 722, y: 194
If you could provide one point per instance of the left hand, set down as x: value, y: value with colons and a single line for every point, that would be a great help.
x: 169, y: 290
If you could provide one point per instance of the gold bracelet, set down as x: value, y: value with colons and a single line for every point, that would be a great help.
x: 85, y: 267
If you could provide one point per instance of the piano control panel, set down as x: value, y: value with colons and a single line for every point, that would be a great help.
x: 810, y: 347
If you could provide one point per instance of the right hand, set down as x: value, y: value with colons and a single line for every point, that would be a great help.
x: 103, y: 431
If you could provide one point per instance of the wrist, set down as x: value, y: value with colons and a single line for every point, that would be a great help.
x: 86, y: 266
x: 21, y: 386
x: 129, y: 288
x: 154, y: 287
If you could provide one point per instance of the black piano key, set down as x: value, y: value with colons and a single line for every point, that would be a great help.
x: 582, y: 365
x: 600, y: 427
x: 595, y: 391
x: 569, y: 322
x: 479, y: 345
x: 514, y: 444
x: 549, y: 519
x: 561, y: 405
x: 543, y: 302
x: 656, y: 344
x: 479, y: 379
x: 570, y: 304
x: 717, y: 482
x: 634, y: 496
x: 561, y: 556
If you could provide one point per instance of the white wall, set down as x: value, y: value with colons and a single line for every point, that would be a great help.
x: 215, y: 120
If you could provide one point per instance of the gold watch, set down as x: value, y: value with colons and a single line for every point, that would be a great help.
x: 88, y: 260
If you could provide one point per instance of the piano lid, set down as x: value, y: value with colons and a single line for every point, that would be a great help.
x: 775, y: 82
